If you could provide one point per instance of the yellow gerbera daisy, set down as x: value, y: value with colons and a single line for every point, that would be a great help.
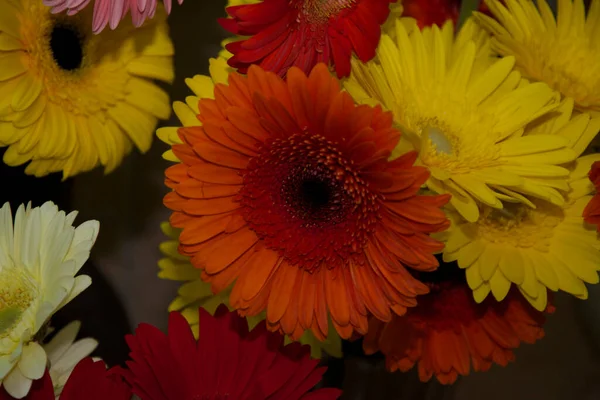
x: 563, y: 52
x: 195, y: 293
x: 537, y: 246
x: 466, y: 114
x: 71, y: 100
x: 39, y: 258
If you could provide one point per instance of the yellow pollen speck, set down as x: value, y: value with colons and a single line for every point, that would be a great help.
x: 17, y: 292
x: 520, y: 226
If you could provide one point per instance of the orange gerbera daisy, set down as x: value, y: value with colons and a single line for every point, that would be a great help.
x: 287, y: 190
x: 448, y: 331
x: 302, y: 33
x: 591, y: 213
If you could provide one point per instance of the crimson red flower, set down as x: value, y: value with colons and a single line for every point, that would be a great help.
x: 228, y: 362
x: 303, y: 33
x: 591, y: 213
x: 89, y: 380
x: 448, y: 332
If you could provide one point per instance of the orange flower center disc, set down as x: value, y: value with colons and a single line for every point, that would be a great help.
x: 307, y: 201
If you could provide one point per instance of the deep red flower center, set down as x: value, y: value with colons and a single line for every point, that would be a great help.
x: 305, y: 199
x: 318, y: 11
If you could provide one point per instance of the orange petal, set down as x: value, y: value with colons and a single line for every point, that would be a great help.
x: 307, y: 300
x: 201, y: 229
x: 219, y: 155
x: 301, y: 100
x: 211, y: 206
x: 248, y: 122
x: 222, y: 280
x: 261, y: 267
x: 289, y: 322
x: 335, y: 292
x: 240, y: 137
x: 194, y: 189
x: 223, y: 252
x: 174, y: 201
x: 217, y: 134
x: 320, y: 323
x: 211, y: 173
x: 177, y: 172
x: 284, y: 281
x: 368, y: 289
x: 415, y: 209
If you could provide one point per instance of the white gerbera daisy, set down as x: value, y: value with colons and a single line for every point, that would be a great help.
x: 64, y: 353
x: 39, y: 258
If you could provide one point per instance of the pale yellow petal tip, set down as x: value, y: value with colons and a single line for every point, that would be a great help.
x: 170, y: 156
x: 481, y: 293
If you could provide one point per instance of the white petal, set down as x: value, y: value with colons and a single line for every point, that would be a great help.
x: 20, y: 222
x: 61, y: 342
x: 77, y: 352
x: 82, y: 282
x: 30, y: 244
x: 6, y: 238
x: 33, y: 361
x: 5, y: 366
x: 16, y: 384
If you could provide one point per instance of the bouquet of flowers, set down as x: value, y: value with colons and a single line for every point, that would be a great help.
x: 418, y: 176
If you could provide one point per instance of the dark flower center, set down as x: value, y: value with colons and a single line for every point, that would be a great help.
x: 311, y: 194
x: 314, y: 194
x: 306, y: 200
x: 66, y: 45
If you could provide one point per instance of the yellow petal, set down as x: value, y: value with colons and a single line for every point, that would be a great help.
x: 481, y: 293
x: 27, y: 91
x: 499, y: 286
x: 12, y: 65
x: 185, y: 114
x: 511, y: 265
x: 532, y: 144
x: 202, y: 86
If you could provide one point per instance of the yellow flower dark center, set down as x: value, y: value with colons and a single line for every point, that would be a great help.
x: 66, y: 45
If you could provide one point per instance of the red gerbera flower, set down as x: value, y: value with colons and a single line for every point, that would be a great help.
x: 302, y: 33
x: 591, y: 213
x: 287, y: 189
x: 227, y: 362
x: 448, y: 331
x: 89, y: 380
